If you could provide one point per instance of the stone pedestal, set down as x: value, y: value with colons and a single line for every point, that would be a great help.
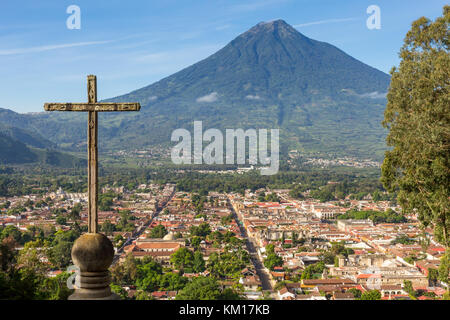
x: 93, y: 253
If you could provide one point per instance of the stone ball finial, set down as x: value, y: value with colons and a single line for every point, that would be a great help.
x: 93, y: 252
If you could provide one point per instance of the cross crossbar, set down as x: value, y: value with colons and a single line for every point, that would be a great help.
x: 99, y: 106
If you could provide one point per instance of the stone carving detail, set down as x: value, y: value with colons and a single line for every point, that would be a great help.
x: 99, y: 106
x: 92, y: 89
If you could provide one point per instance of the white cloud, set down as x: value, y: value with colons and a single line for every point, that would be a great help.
x: 253, y: 97
x: 370, y: 95
x: 49, y: 47
x: 213, y: 96
x: 324, y: 22
x: 374, y: 95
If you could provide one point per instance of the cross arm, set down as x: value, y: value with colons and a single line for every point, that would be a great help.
x: 98, y: 106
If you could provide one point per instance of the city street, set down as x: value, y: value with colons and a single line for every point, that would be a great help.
x: 252, y: 249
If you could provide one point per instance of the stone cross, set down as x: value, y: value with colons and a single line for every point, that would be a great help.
x: 93, y: 252
x: 92, y: 107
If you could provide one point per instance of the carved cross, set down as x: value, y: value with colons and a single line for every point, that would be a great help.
x: 92, y: 107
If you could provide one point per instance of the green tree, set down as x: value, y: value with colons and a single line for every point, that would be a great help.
x: 328, y: 257
x: 403, y: 239
x: 118, y: 240
x: 125, y: 273
x: 418, y: 118
x: 270, y: 248
x: 356, y: 293
x: 142, y: 295
x: 226, y: 219
x: 200, y: 288
x: 262, y: 197
x: 53, y: 288
x: 279, y: 285
x: 444, y: 267
x: 108, y: 228
x: 199, y: 262
x: 60, y: 254
x: 323, y: 194
x: 149, y: 275
x: 272, y: 261
x: 195, y: 242
x: 312, y: 270
x: 7, y: 254
x: 408, y: 287
x: 272, y: 197
x: 201, y: 231
x: 183, y: 259
x: 121, y: 292
x: 172, y: 281
x: 74, y: 214
x: 19, y: 284
x: 61, y: 220
x: 376, y: 196
x: 230, y: 294
x: 105, y: 201
x: 371, y: 295
x: 296, y: 193
x: 11, y: 231
x: 158, y: 232
x: 178, y: 235
x: 433, y: 275
x: 228, y: 263
x: 30, y: 257
x: 307, y: 273
x: 5, y: 205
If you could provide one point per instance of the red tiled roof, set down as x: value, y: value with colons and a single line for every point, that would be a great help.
x: 158, y: 245
x: 326, y: 281
x: 367, y: 276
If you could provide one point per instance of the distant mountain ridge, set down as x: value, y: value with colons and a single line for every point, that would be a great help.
x: 13, y: 151
x: 19, y: 146
x: 32, y: 139
x: 272, y: 76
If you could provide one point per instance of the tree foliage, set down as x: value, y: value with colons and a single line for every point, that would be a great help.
x: 228, y: 263
x: 356, y: 293
x: 201, y: 231
x: 313, y: 270
x: 444, y: 268
x: 205, y: 288
x: 389, y: 216
x: 273, y: 260
x: 158, y: 232
x: 418, y: 118
x: 183, y: 259
x: 371, y: 295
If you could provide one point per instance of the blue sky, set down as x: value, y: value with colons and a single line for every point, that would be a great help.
x: 131, y: 44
